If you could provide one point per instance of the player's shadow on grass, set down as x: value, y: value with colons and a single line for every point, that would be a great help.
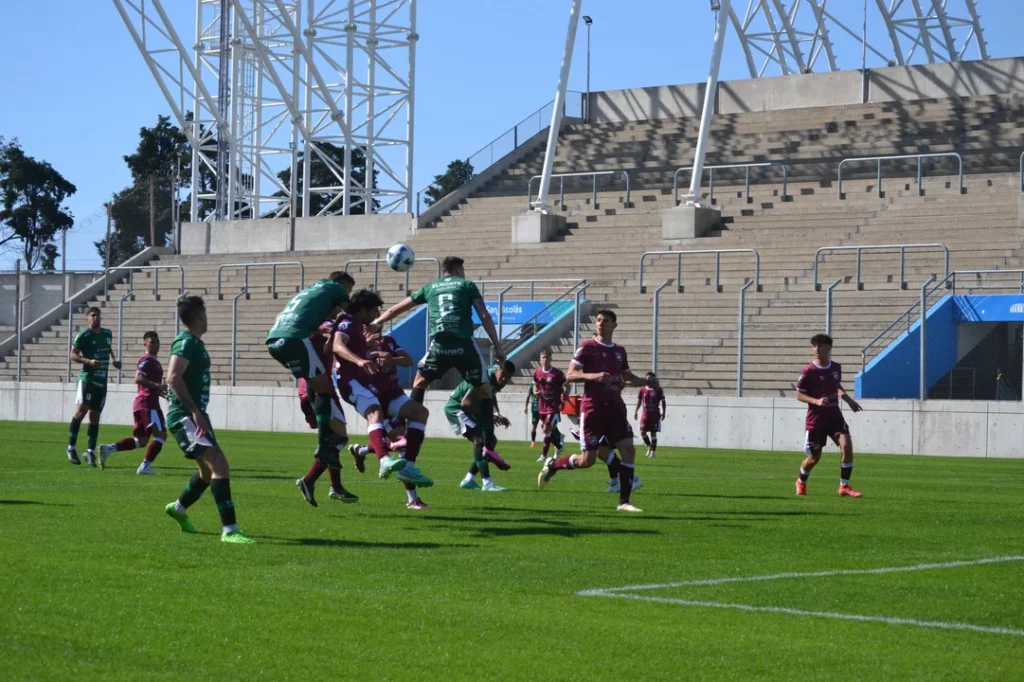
x: 14, y: 503
x: 721, y: 497
x: 358, y: 544
x: 473, y: 519
x: 560, y: 531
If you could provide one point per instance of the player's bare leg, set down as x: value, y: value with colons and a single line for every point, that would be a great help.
x: 805, y: 471
x: 846, y: 466
x: 626, y: 474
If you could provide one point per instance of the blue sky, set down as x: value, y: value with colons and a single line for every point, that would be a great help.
x: 75, y: 91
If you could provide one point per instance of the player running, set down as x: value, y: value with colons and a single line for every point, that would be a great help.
x: 93, y: 350
x: 188, y: 376
x: 602, y: 367
x: 551, y: 388
x: 820, y: 388
x: 532, y: 408
x: 355, y: 377
x: 146, y: 412
x: 289, y: 343
x: 451, y: 301
x: 611, y: 460
x: 652, y: 399
x: 462, y: 411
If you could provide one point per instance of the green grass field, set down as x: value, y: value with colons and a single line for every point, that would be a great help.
x: 97, y: 583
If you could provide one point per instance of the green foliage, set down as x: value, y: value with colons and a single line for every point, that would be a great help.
x: 457, y: 175
x: 326, y: 173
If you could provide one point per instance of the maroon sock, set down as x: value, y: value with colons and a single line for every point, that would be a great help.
x: 335, y: 478
x: 125, y: 444
x: 564, y: 463
x: 377, y: 441
x: 409, y: 486
x: 153, y: 449
x: 315, y: 471
x: 613, y: 466
x: 413, y: 442
x: 625, y: 482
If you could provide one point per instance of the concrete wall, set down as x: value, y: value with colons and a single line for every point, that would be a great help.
x: 906, y: 427
x: 936, y: 81
x: 325, y: 233
x: 47, y: 291
x: 640, y: 104
x: 793, y: 92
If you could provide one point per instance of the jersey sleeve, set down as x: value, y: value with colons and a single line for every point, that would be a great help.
x: 338, y: 294
x: 472, y: 291
x: 580, y: 357
x: 625, y: 361
x: 78, y: 339
x: 344, y: 327
x: 419, y: 297
x: 839, y: 374
x: 801, y: 383
x: 181, y: 347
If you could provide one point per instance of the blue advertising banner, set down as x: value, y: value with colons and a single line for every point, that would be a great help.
x: 517, y: 312
x: 992, y: 308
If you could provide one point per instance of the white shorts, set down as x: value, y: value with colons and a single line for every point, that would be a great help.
x: 360, y: 397
x: 396, y: 405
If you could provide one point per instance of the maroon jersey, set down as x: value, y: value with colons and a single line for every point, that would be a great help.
x: 548, y: 387
x: 592, y: 357
x: 651, y: 399
x: 822, y: 382
x: 354, y: 331
x: 148, y: 398
x: 386, y: 380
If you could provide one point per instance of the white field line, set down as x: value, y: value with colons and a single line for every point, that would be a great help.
x: 627, y: 593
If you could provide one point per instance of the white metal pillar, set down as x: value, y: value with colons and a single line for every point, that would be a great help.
x: 411, y: 109
x: 350, y: 31
x: 693, y: 198
x: 556, y: 115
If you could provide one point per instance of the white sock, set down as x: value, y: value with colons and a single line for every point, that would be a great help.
x: 412, y: 495
x: 363, y: 450
x: 488, y: 481
x: 179, y: 508
x: 233, y: 528
x: 468, y: 478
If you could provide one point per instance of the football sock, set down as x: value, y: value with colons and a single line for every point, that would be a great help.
x: 363, y: 450
x: 647, y: 441
x: 126, y: 444
x: 418, y: 394
x: 564, y: 463
x: 488, y: 480
x: 376, y: 434
x: 193, y: 491
x: 73, y: 428
x: 335, y: 478
x: 322, y: 409
x: 654, y: 443
x: 221, y: 489
x: 410, y: 493
x: 153, y: 449
x: 846, y: 471
x: 480, y: 464
x: 486, y: 418
x: 625, y: 482
x: 533, y: 433
x: 93, y: 434
x: 557, y: 439
x: 614, y: 465
x: 804, y: 473
x: 414, y: 440
x: 547, y: 443
x: 315, y: 471
x: 471, y: 476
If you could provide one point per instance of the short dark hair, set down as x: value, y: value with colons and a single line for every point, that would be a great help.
x: 450, y: 263
x: 509, y: 366
x: 608, y: 313
x: 652, y: 374
x: 546, y: 351
x: 92, y: 310
x: 150, y: 335
x: 342, y: 277
x: 364, y: 299
x: 821, y: 340
x: 189, y: 307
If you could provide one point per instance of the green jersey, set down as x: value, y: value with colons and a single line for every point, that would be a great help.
x: 534, y: 406
x: 308, y: 310
x: 197, y: 375
x: 454, y: 403
x: 449, y: 306
x: 94, y: 346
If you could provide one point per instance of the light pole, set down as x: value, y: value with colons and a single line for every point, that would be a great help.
x: 588, y: 21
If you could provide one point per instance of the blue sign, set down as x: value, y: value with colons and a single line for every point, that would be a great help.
x: 993, y: 308
x: 518, y: 312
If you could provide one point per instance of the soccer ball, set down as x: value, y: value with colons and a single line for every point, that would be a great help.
x: 400, y: 257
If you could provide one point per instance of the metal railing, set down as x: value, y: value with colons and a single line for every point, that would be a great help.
x: 923, y: 387
x: 21, y: 324
x: 534, y: 324
x: 718, y: 265
x: 879, y: 159
x: 902, y: 248
x: 654, y: 324
x: 581, y: 174
x: 746, y: 183
x: 549, y: 286
x: 132, y: 269
x: 1021, y: 184
x: 273, y: 275
x: 234, y: 331
x: 828, y: 305
x: 510, y: 140
x: 71, y: 335
x: 740, y: 339
x: 501, y: 314
x: 376, y: 268
x: 120, y: 327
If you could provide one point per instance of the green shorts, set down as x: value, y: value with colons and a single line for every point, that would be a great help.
x: 463, y: 425
x: 91, y: 394
x: 459, y: 354
x: 184, y: 432
x: 298, y: 356
x: 535, y: 415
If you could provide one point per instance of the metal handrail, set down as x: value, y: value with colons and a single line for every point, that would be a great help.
x: 501, y: 313
x: 740, y: 339
x: 376, y: 268
x: 881, y: 247
x: 21, y: 324
x: 1022, y: 171
x: 71, y: 334
x: 273, y: 275
x: 923, y: 388
x: 577, y: 299
x: 1019, y: 273
x: 532, y: 282
x: 711, y: 179
x: 718, y: 265
x: 654, y: 324
x: 155, y: 269
x: 879, y: 159
x: 120, y: 325
x: 580, y: 286
x: 234, y: 331
x: 828, y: 305
x: 580, y: 174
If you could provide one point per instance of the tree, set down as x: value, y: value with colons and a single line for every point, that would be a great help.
x: 32, y: 211
x: 321, y: 175
x: 457, y: 175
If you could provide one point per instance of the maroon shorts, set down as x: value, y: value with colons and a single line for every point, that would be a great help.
x: 604, y: 427
x: 550, y: 420
x: 650, y: 425
x: 815, y: 439
x: 146, y: 418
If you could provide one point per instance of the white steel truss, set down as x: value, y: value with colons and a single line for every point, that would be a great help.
x: 795, y: 36
x: 291, y: 85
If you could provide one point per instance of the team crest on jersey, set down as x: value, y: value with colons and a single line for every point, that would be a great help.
x: 618, y: 356
x: 835, y: 375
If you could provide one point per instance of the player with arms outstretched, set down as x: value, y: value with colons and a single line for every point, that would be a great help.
x: 602, y: 367
x: 820, y: 388
x: 551, y: 388
x: 450, y: 302
x: 462, y: 411
x: 93, y: 350
x: 146, y: 411
x: 652, y: 399
x: 189, y: 379
x: 289, y: 343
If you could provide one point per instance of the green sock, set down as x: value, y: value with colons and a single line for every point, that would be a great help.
x: 93, y: 435
x: 479, y: 463
x: 73, y: 428
x: 322, y: 409
x: 485, y: 420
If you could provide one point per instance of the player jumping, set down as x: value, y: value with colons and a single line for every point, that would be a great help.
x: 602, y: 366
x: 462, y: 411
x: 189, y: 379
x: 94, y: 351
x: 820, y: 388
x: 146, y: 412
x: 652, y: 399
x: 551, y: 388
